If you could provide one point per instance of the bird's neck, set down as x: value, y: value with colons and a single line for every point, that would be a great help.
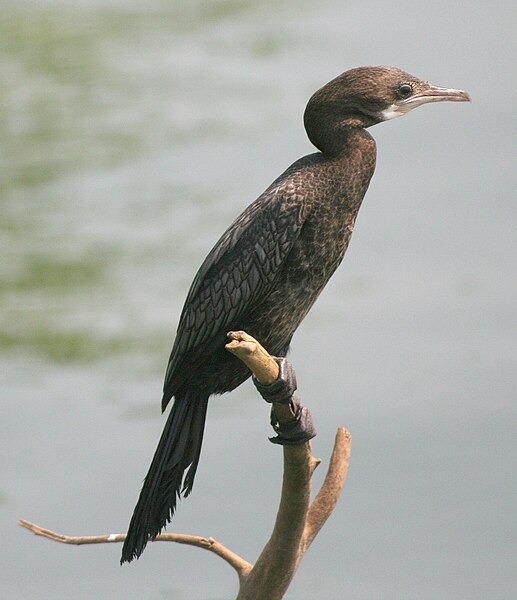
x: 351, y: 140
x: 351, y: 166
x: 334, y: 134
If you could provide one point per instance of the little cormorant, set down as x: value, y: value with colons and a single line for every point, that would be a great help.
x: 268, y: 268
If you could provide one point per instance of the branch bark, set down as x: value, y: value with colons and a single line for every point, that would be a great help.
x: 241, y: 566
x: 298, y: 520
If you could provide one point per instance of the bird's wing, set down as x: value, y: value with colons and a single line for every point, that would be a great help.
x: 241, y: 267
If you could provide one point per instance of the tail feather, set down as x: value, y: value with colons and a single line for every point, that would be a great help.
x: 195, y: 442
x: 179, y: 449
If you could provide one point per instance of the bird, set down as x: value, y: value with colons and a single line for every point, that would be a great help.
x: 268, y: 268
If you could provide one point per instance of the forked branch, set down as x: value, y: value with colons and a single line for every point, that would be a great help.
x: 298, y: 520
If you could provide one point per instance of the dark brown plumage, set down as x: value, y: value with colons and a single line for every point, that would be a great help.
x: 267, y: 270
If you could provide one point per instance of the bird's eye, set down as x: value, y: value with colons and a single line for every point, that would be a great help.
x: 405, y: 90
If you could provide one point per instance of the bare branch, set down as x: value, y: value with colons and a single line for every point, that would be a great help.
x: 297, y: 522
x: 68, y: 539
x: 324, y: 503
x: 276, y: 566
x: 239, y: 564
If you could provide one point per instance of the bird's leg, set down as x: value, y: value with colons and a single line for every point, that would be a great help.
x: 275, y: 380
x: 297, y: 431
x: 280, y: 391
x: 298, y: 428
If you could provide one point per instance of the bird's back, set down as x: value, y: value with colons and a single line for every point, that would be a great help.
x: 269, y: 267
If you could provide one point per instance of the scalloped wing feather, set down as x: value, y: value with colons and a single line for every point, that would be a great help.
x: 240, y: 269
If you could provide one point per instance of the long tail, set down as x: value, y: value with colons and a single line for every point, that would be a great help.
x: 179, y: 449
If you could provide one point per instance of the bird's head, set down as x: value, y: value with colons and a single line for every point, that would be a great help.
x: 365, y: 96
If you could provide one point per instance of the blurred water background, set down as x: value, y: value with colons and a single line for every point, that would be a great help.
x: 131, y: 134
